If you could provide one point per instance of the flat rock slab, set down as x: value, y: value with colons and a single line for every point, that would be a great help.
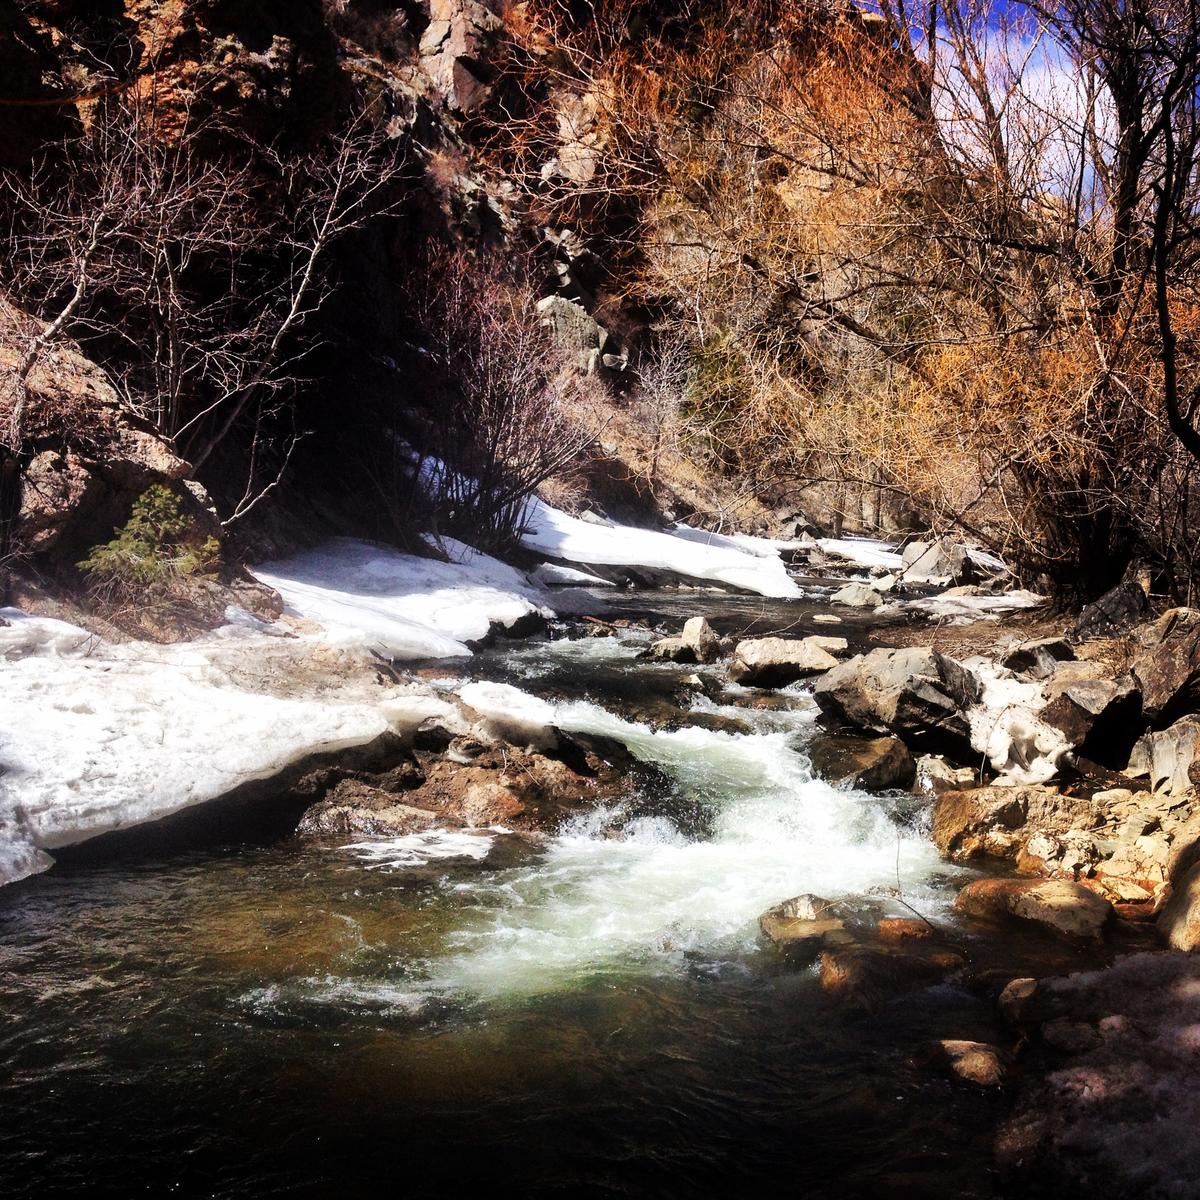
x: 1058, y: 905
x: 776, y: 662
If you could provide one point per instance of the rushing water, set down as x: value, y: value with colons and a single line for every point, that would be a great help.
x: 594, y: 1015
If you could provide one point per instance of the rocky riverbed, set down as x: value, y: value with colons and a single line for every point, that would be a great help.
x: 977, y: 839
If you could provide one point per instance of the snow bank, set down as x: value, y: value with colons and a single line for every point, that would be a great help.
x: 400, y: 605
x: 106, y: 737
x: 746, y: 543
x: 557, y: 535
x: 512, y: 715
x: 555, y: 575
x: 960, y: 610
x: 22, y: 634
x: 1005, y: 727
x: 864, y: 552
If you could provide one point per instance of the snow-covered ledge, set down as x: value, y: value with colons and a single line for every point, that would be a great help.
x: 97, y: 737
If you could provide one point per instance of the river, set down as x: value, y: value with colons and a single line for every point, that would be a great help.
x: 590, y: 1015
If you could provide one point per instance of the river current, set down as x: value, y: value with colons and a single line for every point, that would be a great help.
x: 592, y: 1015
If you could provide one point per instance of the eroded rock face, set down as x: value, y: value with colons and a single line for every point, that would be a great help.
x: 775, y: 662
x: 455, y: 48
x: 873, y: 764
x: 1170, y: 759
x: 1179, y: 921
x: 1168, y: 667
x: 917, y: 694
x: 1063, y: 907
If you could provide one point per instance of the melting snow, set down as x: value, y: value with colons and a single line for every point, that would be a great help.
x: 865, y: 552
x: 400, y: 605
x: 557, y: 535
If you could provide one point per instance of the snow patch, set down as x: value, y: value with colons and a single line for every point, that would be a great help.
x: 512, y: 715
x: 1005, y: 727
x: 399, y: 605
x: 864, y: 552
x: 21, y: 634
x: 558, y: 535
x: 555, y: 575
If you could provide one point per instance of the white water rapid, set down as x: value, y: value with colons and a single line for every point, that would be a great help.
x: 616, y: 892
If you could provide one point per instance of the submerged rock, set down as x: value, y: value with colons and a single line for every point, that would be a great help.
x: 873, y: 764
x: 356, y: 809
x: 972, y: 1062
x: 775, y: 662
x: 867, y: 976
x: 1059, y: 905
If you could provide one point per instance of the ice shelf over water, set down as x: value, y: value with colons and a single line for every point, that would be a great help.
x: 96, y: 737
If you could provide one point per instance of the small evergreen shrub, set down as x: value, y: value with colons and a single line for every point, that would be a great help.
x: 158, y: 544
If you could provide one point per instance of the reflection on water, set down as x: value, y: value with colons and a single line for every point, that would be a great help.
x: 591, y: 1015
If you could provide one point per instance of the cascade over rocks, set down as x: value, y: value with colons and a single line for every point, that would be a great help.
x: 917, y: 694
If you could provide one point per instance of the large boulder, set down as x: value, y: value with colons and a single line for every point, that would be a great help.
x: 1099, y: 716
x: 917, y: 694
x: 775, y: 661
x: 857, y: 595
x: 1058, y: 905
x: 1117, y: 610
x: 1169, y: 758
x: 1179, y: 921
x: 936, y: 561
x: 872, y: 764
x: 1167, y: 667
x: 700, y: 637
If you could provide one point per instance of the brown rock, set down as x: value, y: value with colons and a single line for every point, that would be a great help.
x: 974, y: 1062
x: 867, y: 976
x: 873, y: 764
x: 1179, y: 921
x: 1059, y: 905
x: 999, y: 821
x: 902, y: 929
x: 1168, y: 668
x: 490, y: 804
x: 355, y: 809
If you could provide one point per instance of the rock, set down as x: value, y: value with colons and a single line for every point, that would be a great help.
x: 1039, y: 658
x: 1059, y: 905
x: 672, y: 649
x: 1179, y: 921
x: 1168, y: 667
x: 1115, y: 611
x: 700, y: 636
x: 1098, y: 716
x: 1170, y: 758
x: 903, y: 929
x: 576, y: 331
x: 935, y: 562
x: 454, y: 51
x: 983, y: 821
x: 857, y: 595
x: 774, y: 662
x: 916, y: 694
x: 801, y: 927
x: 826, y: 619
x: 355, y: 809
x: 490, y: 804
x: 873, y: 764
x: 867, y: 976
x: 935, y: 775
x: 973, y: 1062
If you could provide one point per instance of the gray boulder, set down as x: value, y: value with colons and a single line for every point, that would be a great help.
x: 917, y: 694
x: 857, y: 595
x: 872, y: 764
x: 775, y: 662
x: 702, y: 639
x: 1167, y: 669
x: 1097, y: 715
x: 1170, y: 758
